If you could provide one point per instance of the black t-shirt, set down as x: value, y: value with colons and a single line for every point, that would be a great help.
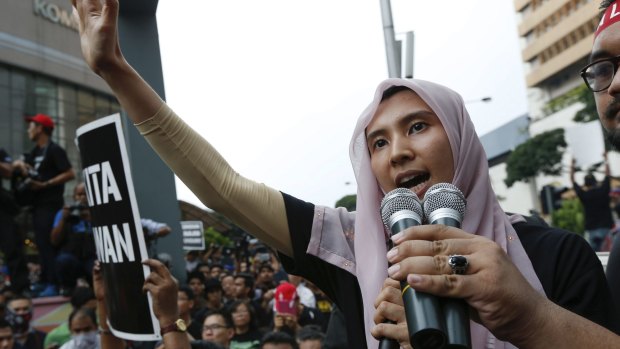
x: 49, y: 162
x: 570, y: 272
x: 596, y: 205
x: 195, y: 329
x: 248, y: 340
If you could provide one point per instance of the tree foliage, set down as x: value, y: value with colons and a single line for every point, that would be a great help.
x: 539, y: 154
x: 570, y: 216
x: 214, y: 237
x: 588, y: 113
x: 348, y: 201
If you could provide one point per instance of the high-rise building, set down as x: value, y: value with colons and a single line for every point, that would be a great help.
x: 556, y: 40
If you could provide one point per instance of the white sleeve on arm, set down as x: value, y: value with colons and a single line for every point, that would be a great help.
x: 253, y: 206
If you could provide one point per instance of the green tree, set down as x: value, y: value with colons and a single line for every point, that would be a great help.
x: 570, y: 216
x: 348, y: 201
x: 539, y: 154
x: 213, y: 236
x: 588, y: 112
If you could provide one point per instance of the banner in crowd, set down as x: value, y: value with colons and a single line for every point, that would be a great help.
x: 116, y: 225
x: 193, y: 235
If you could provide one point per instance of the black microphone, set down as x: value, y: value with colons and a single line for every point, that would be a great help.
x: 401, y: 209
x: 445, y: 204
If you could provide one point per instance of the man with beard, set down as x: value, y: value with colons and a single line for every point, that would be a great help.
x: 600, y: 77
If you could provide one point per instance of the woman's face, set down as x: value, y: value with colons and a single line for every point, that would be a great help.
x: 408, y: 145
x: 241, y: 315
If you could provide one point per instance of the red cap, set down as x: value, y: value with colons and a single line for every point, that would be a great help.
x: 284, y: 299
x: 42, y: 119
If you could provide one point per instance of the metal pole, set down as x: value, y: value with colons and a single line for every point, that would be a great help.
x: 409, y: 55
x: 393, y: 60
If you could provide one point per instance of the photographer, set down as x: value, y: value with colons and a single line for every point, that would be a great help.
x: 10, y: 241
x: 72, y: 234
x: 47, y: 169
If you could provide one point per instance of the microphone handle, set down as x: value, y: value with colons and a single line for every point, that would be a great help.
x: 456, y: 311
x: 422, y: 310
x: 388, y: 343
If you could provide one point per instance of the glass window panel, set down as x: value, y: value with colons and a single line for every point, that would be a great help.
x: 86, y: 107
x: 4, y: 76
x: 102, y: 107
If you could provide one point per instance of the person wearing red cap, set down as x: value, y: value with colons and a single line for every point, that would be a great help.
x: 286, y: 309
x: 48, y: 169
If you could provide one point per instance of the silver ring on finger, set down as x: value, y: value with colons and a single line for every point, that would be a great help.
x: 458, y: 264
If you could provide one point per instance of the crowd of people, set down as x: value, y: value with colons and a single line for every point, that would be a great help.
x: 325, y: 274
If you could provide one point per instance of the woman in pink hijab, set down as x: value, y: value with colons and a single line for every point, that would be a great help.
x: 411, y: 136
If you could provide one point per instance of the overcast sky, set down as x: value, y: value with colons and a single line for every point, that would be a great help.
x: 277, y: 86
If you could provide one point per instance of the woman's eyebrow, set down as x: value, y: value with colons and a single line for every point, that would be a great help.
x: 402, y: 120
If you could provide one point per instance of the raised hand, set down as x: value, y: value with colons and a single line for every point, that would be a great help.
x: 99, y: 33
x: 163, y: 288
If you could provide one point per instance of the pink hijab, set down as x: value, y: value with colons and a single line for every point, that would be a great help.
x: 483, y: 216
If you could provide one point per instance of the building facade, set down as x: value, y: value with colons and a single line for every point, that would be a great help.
x: 42, y: 71
x: 556, y: 39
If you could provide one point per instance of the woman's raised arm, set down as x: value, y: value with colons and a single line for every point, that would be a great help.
x: 255, y: 207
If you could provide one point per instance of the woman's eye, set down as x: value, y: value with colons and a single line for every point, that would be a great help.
x: 417, y: 127
x: 379, y: 143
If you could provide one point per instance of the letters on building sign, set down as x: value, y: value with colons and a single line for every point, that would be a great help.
x: 55, y: 13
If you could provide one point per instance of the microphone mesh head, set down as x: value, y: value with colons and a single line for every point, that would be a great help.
x: 444, y: 195
x: 399, y: 199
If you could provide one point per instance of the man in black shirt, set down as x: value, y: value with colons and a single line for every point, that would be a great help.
x: 596, y: 204
x: 48, y: 167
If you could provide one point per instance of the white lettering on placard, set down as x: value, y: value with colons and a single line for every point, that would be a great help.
x: 115, y: 247
x: 55, y: 14
x: 108, y: 184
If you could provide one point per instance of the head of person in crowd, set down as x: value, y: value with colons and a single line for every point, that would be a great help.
x: 278, y: 340
x: 191, y: 260
x: 185, y: 301
x: 244, y: 266
x: 243, y: 317
x: 600, y: 73
x: 218, y: 328
x: 6, y: 335
x: 243, y: 286
x: 39, y: 126
x: 286, y: 308
x: 264, y: 274
x: 213, y: 294
x: 228, y: 286
x: 83, y: 327
x: 79, y: 194
x: 216, y: 270
x: 196, y: 281
x: 204, y: 269
x: 19, y: 314
x: 589, y: 181
x: 83, y: 297
x: 310, y: 337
